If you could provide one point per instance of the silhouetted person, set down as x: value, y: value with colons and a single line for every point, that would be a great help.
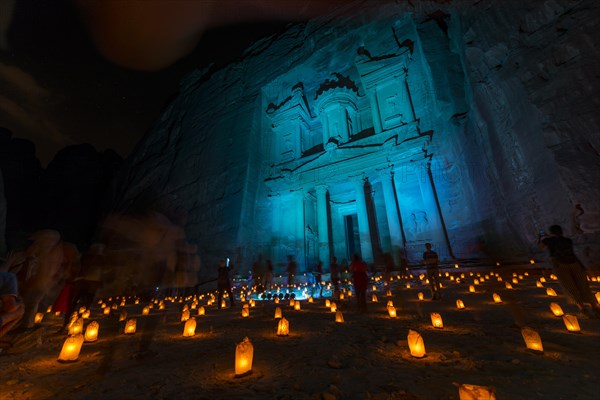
x: 360, y: 278
x: 318, y: 276
x: 292, y: 266
x: 268, y: 275
x: 334, y: 271
x: 430, y: 258
x: 224, y: 284
x: 569, y: 270
x: 388, y: 265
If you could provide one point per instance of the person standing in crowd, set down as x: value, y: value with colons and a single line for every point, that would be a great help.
x: 224, y: 284
x: 334, y: 271
x: 319, y: 276
x: 11, y: 310
x: 268, y: 275
x: 569, y: 270
x: 291, y: 270
x: 431, y: 260
x: 360, y: 279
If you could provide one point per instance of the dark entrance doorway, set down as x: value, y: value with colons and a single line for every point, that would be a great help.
x: 352, y: 235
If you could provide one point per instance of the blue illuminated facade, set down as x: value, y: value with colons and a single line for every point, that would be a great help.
x: 370, y: 131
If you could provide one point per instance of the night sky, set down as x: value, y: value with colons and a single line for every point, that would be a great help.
x: 57, y: 90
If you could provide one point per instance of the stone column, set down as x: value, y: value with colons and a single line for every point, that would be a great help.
x: 325, y: 125
x: 300, y: 228
x: 438, y: 237
x: 392, y: 212
x: 363, y: 220
x: 322, y: 224
x: 375, y: 111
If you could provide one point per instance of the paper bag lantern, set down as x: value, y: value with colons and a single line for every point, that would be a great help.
x: 542, y: 279
x: 185, y: 315
x: 297, y: 305
x: 553, y: 277
x: 497, y: 298
x: 71, y: 348
x: 392, y: 311
x: 597, y: 297
x: 339, y: 317
x: 556, y: 310
x: 507, y: 285
x: 190, y: 327
x: 76, y: 327
x: 283, y: 327
x: 390, y: 303
x: 532, y: 340
x: 416, y: 344
x: 86, y: 314
x: 436, y: 320
x: 474, y: 392
x: 245, y: 312
x: 374, y: 298
x: 539, y: 284
x: 244, y: 353
x: 333, y: 307
x: 38, y: 318
x: 277, y: 312
x: 420, y: 295
x: 342, y: 296
x: 311, y: 300
x: 550, y: 292
x: 276, y: 300
x: 327, y: 303
x: 571, y: 323
x: 107, y: 311
x: 91, y: 332
x: 459, y: 304
x: 130, y: 326
x: 201, y: 310
x: 123, y: 315
x: 374, y: 288
x: 223, y: 304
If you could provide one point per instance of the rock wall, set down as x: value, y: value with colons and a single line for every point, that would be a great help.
x: 507, y: 90
x: 66, y: 196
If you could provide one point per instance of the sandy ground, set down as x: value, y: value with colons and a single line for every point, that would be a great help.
x: 366, y: 357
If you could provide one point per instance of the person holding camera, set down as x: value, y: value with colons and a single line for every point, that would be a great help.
x: 569, y: 270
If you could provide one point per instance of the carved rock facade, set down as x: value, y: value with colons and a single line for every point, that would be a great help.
x: 384, y: 127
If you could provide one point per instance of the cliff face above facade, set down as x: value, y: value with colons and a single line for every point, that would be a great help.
x: 484, y: 115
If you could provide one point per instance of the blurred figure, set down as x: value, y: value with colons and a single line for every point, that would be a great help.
x: 569, y: 270
x: 360, y: 278
x: 319, y: 276
x: 430, y: 258
x: 224, y: 284
x: 268, y: 275
x: 11, y: 310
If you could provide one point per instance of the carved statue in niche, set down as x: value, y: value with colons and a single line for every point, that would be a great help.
x: 417, y: 223
x: 422, y: 221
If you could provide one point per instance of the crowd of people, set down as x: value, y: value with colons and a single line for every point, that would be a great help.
x: 81, y: 286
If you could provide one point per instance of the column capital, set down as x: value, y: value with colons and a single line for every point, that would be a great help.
x: 321, y: 189
x: 359, y: 180
x: 387, y: 172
